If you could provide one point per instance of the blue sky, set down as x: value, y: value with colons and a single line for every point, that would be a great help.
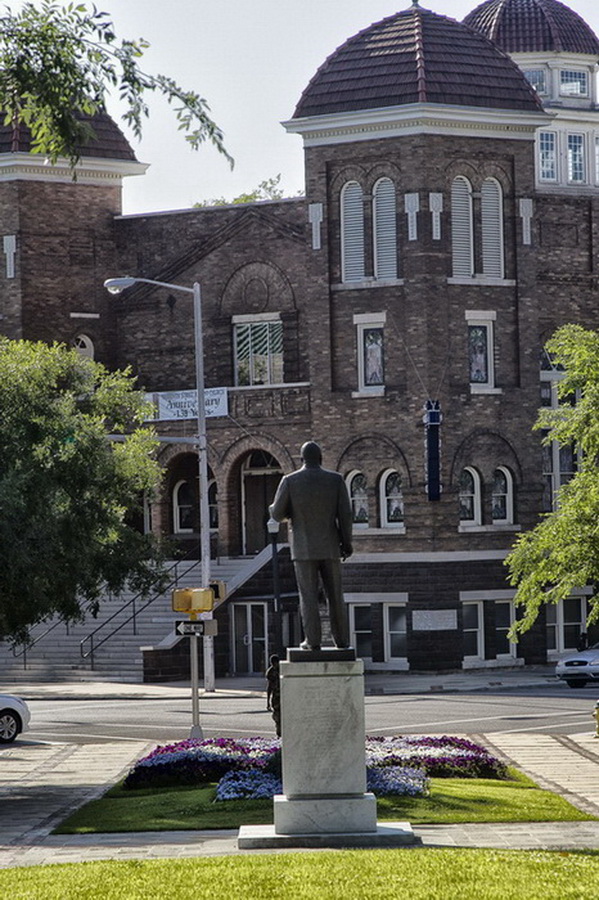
x: 250, y: 59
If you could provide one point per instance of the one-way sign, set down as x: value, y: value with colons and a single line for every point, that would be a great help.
x: 206, y: 626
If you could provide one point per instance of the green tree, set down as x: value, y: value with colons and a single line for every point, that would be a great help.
x: 65, y: 488
x: 57, y: 65
x: 562, y: 553
x: 269, y: 189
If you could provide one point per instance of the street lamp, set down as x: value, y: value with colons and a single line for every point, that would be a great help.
x: 273, y: 531
x: 115, y: 286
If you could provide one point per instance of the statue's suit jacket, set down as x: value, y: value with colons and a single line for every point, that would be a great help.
x: 317, y: 503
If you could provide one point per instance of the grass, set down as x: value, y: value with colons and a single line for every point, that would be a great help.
x: 452, y: 800
x: 417, y: 874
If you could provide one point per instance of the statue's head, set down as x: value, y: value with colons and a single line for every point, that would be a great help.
x: 311, y: 453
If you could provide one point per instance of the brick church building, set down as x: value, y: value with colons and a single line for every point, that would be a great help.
x: 396, y: 314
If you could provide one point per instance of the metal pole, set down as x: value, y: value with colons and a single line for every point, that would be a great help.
x: 273, y: 531
x: 196, y: 729
x: 203, y: 475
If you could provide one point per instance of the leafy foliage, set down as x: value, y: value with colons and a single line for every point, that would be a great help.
x: 65, y: 489
x: 57, y: 65
x: 269, y: 189
x: 562, y: 553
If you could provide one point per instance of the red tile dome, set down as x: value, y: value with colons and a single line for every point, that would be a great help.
x: 416, y: 56
x: 533, y: 26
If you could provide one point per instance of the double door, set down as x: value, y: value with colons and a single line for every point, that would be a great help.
x: 250, y: 629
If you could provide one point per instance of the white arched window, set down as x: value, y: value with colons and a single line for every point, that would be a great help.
x: 384, y: 216
x: 462, y: 242
x: 84, y: 346
x: 391, y: 499
x: 183, y: 507
x: 352, y: 232
x: 502, y: 499
x: 470, y: 497
x: 491, y: 205
x: 357, y: 489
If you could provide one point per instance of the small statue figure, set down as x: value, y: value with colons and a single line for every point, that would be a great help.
x: 316, y: 502
x: 273, y: 692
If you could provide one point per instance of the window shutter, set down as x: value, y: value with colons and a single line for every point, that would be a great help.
x: 352, y: 232
x: 385, y: 229
x: 492, y: 228
x: 461, y: 228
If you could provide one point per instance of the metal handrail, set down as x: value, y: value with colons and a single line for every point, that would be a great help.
x: 89, y: 654
x: 27, y: 645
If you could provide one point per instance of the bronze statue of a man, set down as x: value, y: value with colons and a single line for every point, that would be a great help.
x: 316, y: 502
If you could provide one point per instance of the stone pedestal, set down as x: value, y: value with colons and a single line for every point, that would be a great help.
x: 325, y: 802
x: 324, y: 765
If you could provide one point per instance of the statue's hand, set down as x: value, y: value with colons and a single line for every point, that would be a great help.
x: 346, y: 551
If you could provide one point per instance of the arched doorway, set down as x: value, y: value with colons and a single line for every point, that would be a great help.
x: 260, y: 476
x: 182, y: 492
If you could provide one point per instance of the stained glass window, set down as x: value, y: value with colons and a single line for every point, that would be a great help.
x: 393, y: 499
x: 478, y: 353
x: 358, y: 492
x: 372, y: 349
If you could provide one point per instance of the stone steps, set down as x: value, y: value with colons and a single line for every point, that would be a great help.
x: 57, y: 653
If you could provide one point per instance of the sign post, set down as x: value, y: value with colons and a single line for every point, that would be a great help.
x: 195, y: 601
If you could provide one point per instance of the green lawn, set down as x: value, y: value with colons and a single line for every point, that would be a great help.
x: 451, y: 800
x: 414, y: 874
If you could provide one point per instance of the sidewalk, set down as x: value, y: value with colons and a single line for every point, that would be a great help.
x: 375, y: 683
x: 40, y: 784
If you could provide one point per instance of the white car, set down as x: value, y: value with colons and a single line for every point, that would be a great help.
x: 579, y: 668
x: 14, y: 717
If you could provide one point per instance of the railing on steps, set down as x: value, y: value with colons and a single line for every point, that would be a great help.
x: 91, y: 637
x: 18, y: 650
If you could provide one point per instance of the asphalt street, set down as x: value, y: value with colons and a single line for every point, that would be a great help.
x: 552, y: 710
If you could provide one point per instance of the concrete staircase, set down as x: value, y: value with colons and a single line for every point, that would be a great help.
x: 56, y: 652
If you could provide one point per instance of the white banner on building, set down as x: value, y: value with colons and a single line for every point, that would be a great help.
x: 171, y: 406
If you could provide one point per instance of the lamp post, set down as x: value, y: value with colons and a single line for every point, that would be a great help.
x: 273, y: 531
x: 115, y: 286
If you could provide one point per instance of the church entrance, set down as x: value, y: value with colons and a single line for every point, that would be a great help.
x: 261, y: 474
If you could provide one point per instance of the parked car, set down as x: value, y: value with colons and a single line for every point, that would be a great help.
x: 579, y: 668
x: 14, y: 717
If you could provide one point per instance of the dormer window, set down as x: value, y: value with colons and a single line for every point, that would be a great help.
x: 538, y: 79
x: 573, y: 83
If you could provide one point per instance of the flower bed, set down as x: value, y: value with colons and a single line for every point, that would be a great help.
x: 400, y: 764
x: 200, y: 762
x: 253, y: 784
x: 439, y: 757
x: 399, y: 781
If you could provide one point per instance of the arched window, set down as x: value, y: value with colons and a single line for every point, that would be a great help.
x: 462, y: 243
x: 491, y: 204
x: 84, y: 346
x: 358, y: 495
x: 385, y: 229
x: 352, y: 232
x: 391, y: 499
x: 183, y: 507
x: 502, y: 499
x: 470, y: 497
